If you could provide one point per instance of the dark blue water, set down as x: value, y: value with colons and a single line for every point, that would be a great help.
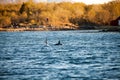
x: 83, y: 56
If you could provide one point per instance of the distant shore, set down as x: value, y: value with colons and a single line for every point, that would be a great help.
x: 20, y: 29
x: 31, y: 29
x: 113, y: 29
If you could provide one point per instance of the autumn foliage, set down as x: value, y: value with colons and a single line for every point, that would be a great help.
x: 59, y: 14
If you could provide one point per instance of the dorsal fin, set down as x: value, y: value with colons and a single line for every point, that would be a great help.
x: 46, y: 41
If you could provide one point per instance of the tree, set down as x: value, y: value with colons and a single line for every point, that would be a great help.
x: 5, y: 21
x: 23, y: 8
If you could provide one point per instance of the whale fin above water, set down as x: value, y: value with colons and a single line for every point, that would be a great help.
x: 59, y: 43
x: 46, y: 42
x: 46, y: 47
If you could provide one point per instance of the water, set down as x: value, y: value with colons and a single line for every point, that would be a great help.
x: 83, y: 56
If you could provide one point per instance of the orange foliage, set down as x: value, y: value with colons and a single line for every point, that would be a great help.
x: 57, y: 13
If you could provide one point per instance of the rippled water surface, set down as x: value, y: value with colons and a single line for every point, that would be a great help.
x: 83, y: 56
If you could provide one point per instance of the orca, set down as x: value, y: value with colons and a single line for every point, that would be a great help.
x: 59, y: 43
x: 46, y: 47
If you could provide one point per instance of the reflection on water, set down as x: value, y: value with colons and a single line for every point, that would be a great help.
x: 83, y: 56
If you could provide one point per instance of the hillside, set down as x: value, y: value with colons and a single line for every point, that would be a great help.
x: 64, y: 15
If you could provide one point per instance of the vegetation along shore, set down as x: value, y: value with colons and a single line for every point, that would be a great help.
x: 31, y: 16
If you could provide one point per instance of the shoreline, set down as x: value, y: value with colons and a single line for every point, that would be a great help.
x: 63, y: 29
x: 31, y: 29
